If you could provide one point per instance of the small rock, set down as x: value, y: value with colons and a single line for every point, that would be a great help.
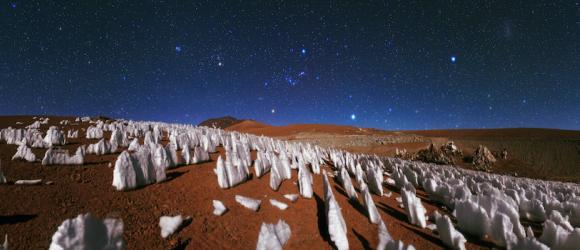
x: 76, y: 178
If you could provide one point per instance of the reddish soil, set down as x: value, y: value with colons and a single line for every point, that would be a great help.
x: 527, y: 133
x: 253, y: 127
x: 31, y: 214
x: 548, y: 154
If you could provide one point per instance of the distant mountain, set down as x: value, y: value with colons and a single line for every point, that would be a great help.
x: 221, y: 122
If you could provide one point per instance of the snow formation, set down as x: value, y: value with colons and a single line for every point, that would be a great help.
x: 87, y: 232
x: 230, y: 174
x: 2, y: 178
x: 28, y: 182
x: 305, y: 182
x: 219, y: 208
x: 25, y: 153
x: 372, y: 211
x: 248, y: 203
x: 291, y: 197
x: 448, y: 234
x: 5, y: 244
x: 101, y: 148
x: 346, y: 183
x: 62, y: 157
x: 54, y: 136
x: 484, y: 205
x: 336, y: 225
x: 170, y: 224
x: 94, y: 133
x: 386, y: 242
x: 414, y: 209
x: 73, y: 133
x: 136, y: 169
x: 273, y: 237
x: 280, y: 205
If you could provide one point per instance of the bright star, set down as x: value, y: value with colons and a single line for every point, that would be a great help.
x: 453, y: 58
x: 303, y: 51
x: 291, y: 81
x: 273, y: 111
x: 177, y: 49
x: 220, y: 64
x: 353, y: 117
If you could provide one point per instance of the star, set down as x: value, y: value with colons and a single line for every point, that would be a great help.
x: 220, y: 64
x: 453, y: 59
x: 303, y: 51
x: 273, y: 111
x: 353, y: 117
x: 177, y: 49
x: 13, y: 5
x: 291, y: 81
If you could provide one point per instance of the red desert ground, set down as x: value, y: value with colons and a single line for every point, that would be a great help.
x: 82, y: 182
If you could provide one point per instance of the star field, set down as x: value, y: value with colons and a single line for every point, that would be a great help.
x: 382, y: 64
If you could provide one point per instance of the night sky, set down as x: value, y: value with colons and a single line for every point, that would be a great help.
x: 383, y: 64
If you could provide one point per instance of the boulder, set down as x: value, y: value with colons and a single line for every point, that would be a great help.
x: 433, y: 155
x: 483, y: 159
